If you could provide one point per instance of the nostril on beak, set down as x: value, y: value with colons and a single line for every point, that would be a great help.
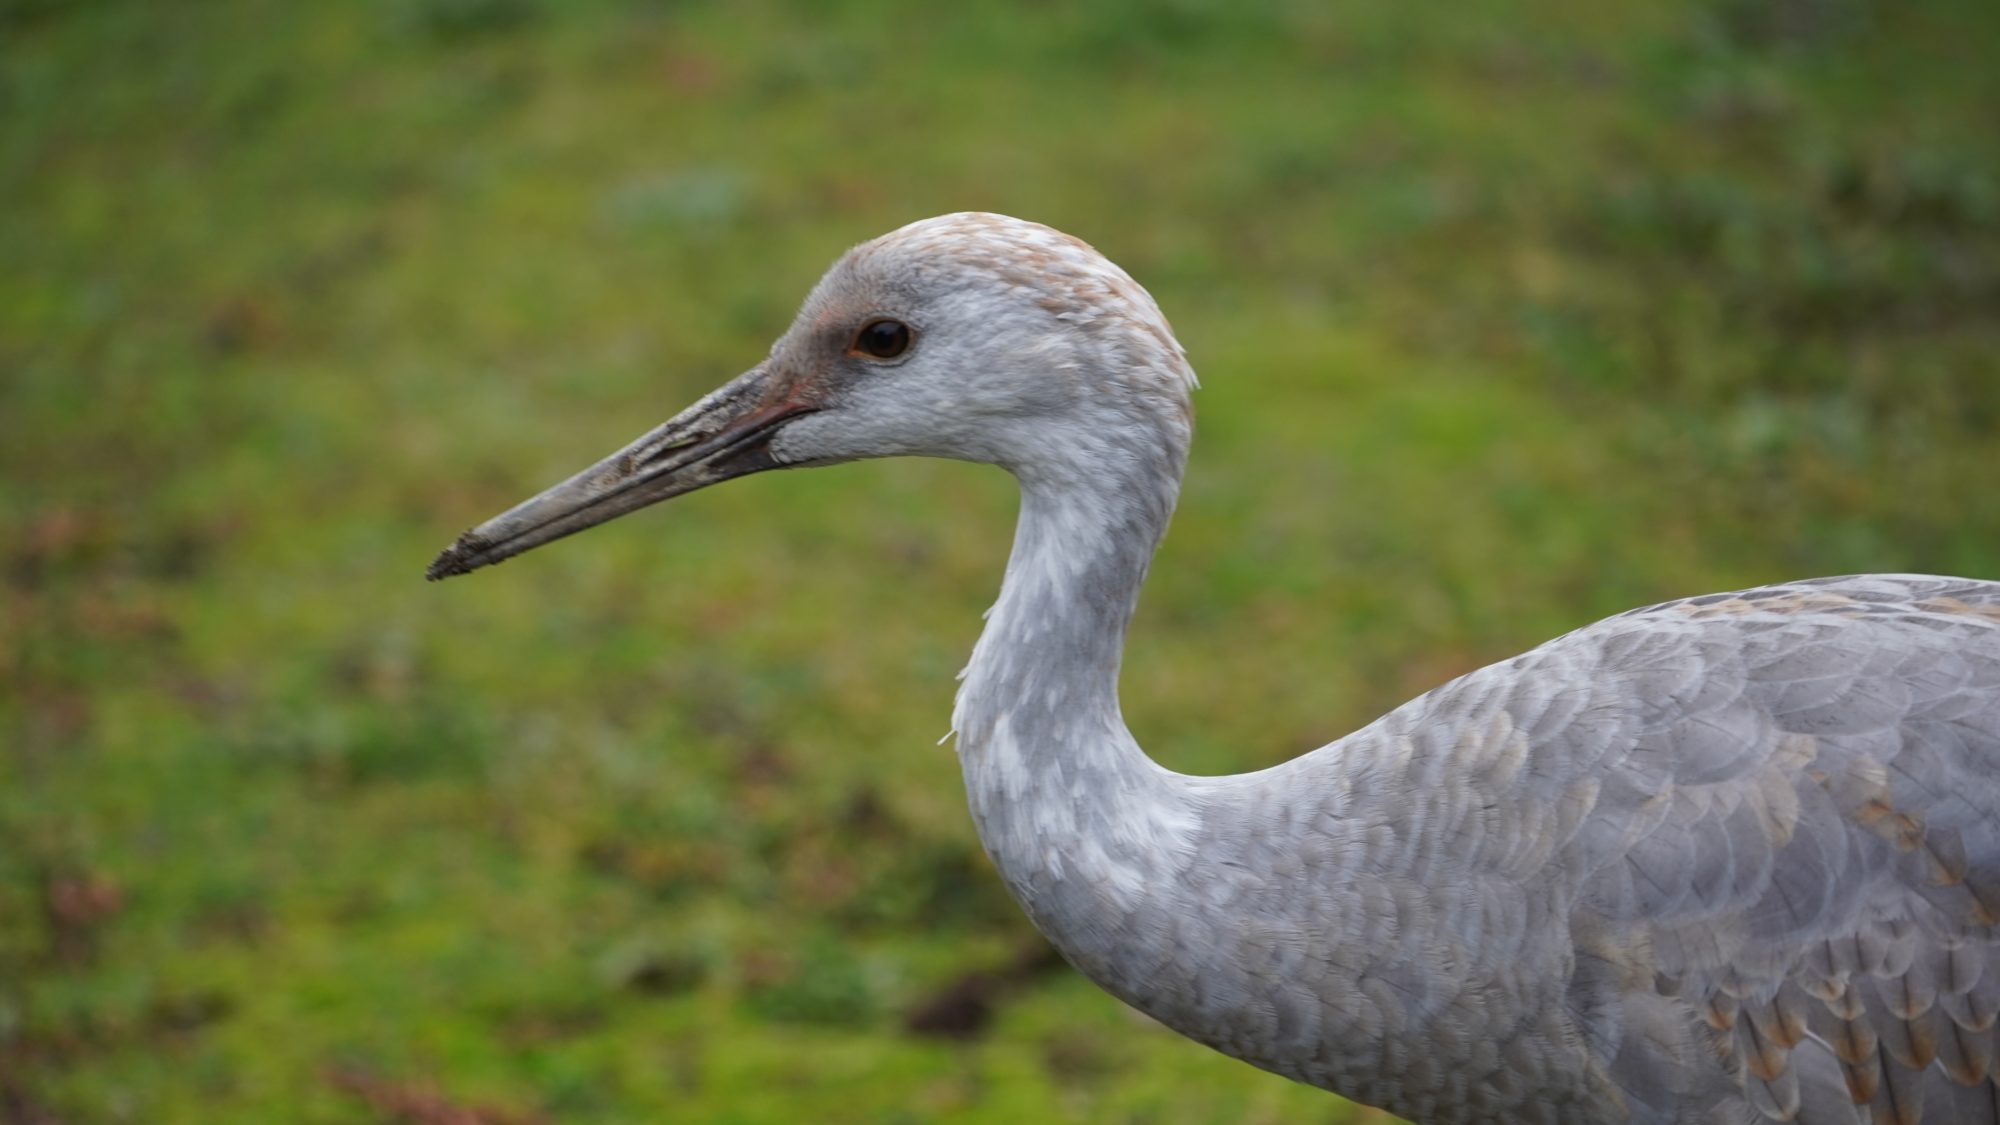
x: 655, y: 456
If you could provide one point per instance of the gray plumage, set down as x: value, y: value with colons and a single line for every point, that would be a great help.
x: 1728, y: 859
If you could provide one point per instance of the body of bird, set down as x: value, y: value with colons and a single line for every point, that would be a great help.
x: 1727, y: 859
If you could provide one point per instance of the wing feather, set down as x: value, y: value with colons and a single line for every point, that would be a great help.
x: 1800, y: 832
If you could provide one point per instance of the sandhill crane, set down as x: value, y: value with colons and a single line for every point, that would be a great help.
x: 1725, y: 859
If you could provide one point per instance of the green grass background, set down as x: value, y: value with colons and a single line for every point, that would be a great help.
x: 1509, y: 316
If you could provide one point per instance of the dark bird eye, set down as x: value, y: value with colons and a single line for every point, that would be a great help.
x: 883, y: 339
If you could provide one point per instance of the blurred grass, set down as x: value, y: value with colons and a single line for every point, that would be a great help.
x: 1510, y: 316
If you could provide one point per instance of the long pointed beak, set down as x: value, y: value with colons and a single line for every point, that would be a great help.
x: 725, y: 435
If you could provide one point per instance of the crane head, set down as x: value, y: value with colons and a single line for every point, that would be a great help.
x: 970, y: 336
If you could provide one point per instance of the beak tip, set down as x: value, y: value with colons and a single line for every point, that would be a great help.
x: 461, y: 557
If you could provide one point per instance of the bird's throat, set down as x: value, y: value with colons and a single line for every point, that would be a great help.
x: 1087, y: 831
